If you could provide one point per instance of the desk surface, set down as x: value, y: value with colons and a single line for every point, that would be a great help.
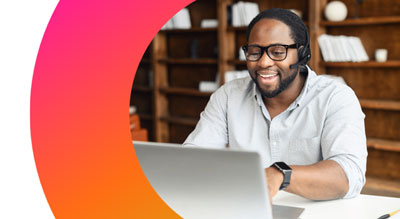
x: 363, y: 206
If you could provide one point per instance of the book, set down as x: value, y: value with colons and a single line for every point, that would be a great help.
x: 181, y: 20
x: 243, y: 12
x: 323, y: 45
x: 342, y: 48
x: 235, y: 16
x: 251, y: 10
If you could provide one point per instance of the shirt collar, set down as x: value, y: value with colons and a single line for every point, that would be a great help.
x: 310, y: 75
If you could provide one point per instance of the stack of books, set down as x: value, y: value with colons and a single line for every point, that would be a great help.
x: 342, y: 48
x: 243, y: 12
x: 180, y: 20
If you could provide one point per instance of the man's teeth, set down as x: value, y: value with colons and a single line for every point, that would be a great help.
x: 268, y: 76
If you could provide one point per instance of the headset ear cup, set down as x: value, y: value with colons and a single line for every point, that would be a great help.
x: 304, y: 55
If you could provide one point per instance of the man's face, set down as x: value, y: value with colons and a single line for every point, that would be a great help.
x: 272, y: 77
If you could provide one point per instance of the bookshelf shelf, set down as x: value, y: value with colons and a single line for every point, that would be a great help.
x: 231, y: 28
x: 180, y: 120
x: 369, y: 64
x: 382, y: 144
x: 378, y: 186
x: 187, y: 61
x: 145, y: 116
x: 185, y: 91
x: 143, y: 89
x: 236, y: 62
x: 145, y: 61
x: 364, y: 21
x: 380, y: 104
x: 242, y: 28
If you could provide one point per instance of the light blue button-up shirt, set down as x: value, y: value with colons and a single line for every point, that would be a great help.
x: 325, y: 122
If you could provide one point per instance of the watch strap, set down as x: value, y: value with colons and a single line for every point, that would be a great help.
x: 286, y: 171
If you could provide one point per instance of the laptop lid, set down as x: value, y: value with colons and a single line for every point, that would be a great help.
x: 208, y: 183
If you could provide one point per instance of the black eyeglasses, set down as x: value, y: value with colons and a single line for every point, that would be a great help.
x: 276, y: 52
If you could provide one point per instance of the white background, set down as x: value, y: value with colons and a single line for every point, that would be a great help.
x: 22, y: 25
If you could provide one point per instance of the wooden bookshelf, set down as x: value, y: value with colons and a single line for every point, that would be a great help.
x: 380, y: 104
x: 382, y: 144
x: 244, y: 29
x: 180, y: 120
x: 178, y: 102
x: 185, y: 91
x: 236, y: 62
x: 188, y: 61
x: 364, y: 21
x: 145, y: 116
x: 369, y: 64
x: 145, y: 61
x: 241, y: 29
x: 139, y: 88
x: 382, y: 187
x: 375, y: 83
x: 191, y: 30
x: 142, y: 93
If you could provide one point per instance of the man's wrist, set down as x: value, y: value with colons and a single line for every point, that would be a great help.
x: 286, y: 171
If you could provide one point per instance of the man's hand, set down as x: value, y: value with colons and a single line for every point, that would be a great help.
x: 274, y: 181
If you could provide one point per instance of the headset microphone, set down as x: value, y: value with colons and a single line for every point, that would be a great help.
x: 303, y: 61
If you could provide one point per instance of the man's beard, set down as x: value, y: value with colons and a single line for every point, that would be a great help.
x: 283, y: 85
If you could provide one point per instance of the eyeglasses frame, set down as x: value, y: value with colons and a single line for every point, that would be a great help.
x: 264, y: 49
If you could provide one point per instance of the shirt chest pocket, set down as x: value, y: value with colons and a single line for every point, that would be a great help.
x: 305, y: 151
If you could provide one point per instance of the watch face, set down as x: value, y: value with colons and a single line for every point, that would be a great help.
x: 283, y: 165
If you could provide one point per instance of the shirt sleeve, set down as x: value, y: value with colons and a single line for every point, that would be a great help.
x: 343, y: 138
x: 211, y: 130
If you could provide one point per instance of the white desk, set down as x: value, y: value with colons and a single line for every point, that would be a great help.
x: 363, y: 206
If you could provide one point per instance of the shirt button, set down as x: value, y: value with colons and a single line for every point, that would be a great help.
x: 274, y: 143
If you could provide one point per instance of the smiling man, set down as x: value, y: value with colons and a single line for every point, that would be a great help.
x: 308, y: 129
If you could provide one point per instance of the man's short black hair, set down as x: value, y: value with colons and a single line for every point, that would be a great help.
x: 298, y: 30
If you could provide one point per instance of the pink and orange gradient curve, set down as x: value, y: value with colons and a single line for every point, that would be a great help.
x: 80, y: 108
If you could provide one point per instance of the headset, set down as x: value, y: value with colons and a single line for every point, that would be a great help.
x: 304, y: 54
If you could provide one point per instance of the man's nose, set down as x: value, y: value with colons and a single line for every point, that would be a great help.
x: 265, y: 60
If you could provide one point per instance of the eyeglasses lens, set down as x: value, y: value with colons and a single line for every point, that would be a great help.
x: 276, y: 53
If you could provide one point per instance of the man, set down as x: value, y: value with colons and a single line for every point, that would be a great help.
x: 295, y: 119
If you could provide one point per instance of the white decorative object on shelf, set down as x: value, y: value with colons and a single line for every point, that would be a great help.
x: 209, y: 23
x: 381, y: 55
x: 335, y: 11
x: 132, y: 110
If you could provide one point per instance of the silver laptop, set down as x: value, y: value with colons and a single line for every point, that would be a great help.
x: 209, y: 183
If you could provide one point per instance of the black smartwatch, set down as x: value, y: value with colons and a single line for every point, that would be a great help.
x: 287, y: 173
